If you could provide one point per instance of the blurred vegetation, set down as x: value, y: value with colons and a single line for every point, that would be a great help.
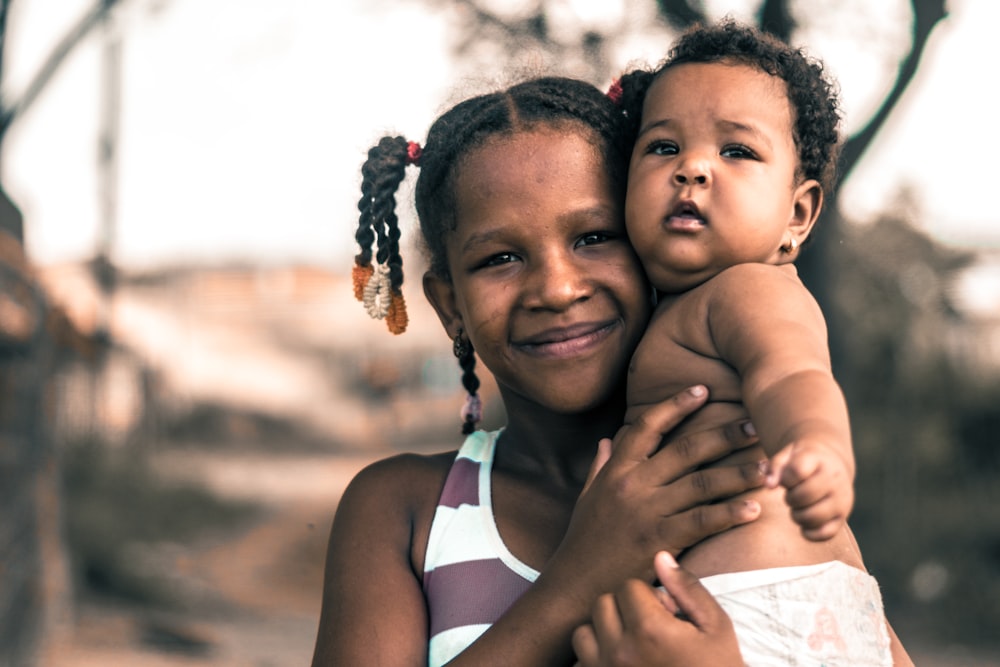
x: 924, y: 414
x: 117, y: 508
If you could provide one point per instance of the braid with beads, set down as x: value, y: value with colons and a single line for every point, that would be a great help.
x: 549, y: 102
x: 381, y: 288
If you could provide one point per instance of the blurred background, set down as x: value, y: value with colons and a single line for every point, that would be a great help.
x: 186, y: 383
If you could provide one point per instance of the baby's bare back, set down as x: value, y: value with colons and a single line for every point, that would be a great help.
x: 677, y: 352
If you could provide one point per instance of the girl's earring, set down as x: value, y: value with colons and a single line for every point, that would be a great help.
x: 460, y: 346
x: 791, y: 245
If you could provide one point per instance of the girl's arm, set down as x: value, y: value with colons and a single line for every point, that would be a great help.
x: 373, y: 610
x: 640, y: 501
x: 767, y: 325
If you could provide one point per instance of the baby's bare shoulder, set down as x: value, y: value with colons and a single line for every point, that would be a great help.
x: 746, y: 284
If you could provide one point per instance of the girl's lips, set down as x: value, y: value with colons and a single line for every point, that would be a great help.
x: 566, y: 341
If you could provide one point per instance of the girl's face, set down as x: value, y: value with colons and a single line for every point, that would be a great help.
x: 712, y: 181
x: 544, y: 281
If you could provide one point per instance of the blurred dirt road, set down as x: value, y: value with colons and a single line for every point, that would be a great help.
x: 253, y: 596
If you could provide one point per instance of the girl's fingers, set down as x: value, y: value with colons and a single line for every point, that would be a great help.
x: 693, y: 450
x: 585, y: 646
x: 640, y: 606
x: 692, y: 598
x: 607, y: 620
x: 638, y: 440
x: 667, y: 601
x: 602, y: 456
x: 708, y: 486
x: 686, y: 529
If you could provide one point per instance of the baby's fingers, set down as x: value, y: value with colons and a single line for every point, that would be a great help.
x: 790, y: 467
x: 821, y: 520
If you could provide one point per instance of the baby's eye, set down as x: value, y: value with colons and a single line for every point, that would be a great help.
x: 594, y: 237
x: 662, y: 147
x: 738, y: 151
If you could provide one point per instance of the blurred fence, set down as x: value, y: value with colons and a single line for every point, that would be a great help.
x: 36, y: 341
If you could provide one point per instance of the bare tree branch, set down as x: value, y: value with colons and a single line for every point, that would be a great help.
x: 775, y: 18
x: 52, y: 63
x: 927, y: 14
x: 4, y: 7
x: 682, y: 14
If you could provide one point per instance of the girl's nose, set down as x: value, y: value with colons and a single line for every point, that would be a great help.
x: 556, y: 283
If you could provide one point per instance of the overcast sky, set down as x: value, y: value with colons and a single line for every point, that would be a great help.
x: 244, y: 122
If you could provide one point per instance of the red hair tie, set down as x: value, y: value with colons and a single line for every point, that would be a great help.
x: 413, y: 153
x: 615, y: 92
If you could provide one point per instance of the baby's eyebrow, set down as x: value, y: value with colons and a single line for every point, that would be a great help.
x: 663, y: 122
x: 733, y: 125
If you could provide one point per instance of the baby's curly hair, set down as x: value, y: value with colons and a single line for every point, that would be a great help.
x: 813, y: 96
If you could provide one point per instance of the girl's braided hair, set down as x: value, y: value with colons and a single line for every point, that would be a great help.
x: 546, y: 102
x: 812, y: 95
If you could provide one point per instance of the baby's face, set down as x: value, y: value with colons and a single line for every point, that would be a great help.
x: 712, y: 180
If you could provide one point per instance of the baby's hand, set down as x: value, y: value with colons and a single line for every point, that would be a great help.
x: 819, y: 487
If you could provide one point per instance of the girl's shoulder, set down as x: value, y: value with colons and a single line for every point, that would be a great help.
x: 399, y: 495
x: 405, y: 479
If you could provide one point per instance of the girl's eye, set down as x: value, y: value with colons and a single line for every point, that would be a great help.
x: 592, y: 238
x: 739, y: 152
x: 662, y: 148
x: 500, y: 258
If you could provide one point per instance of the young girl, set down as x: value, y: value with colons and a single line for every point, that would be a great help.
x: 494, y: 554
x: 736, y: 139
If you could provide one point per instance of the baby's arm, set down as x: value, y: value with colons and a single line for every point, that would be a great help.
x: 767, y: 325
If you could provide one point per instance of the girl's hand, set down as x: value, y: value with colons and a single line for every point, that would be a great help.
x: 642, y: 498
x: 639, y: 626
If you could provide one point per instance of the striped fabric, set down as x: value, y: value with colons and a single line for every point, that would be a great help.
x: 470, y: 578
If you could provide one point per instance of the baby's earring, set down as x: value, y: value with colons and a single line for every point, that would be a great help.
x: 472, y: 411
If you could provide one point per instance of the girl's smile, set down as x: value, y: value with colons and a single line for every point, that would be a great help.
x: 566, y: 342
x: 543, y: 279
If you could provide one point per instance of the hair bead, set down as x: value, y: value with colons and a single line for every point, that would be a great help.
x: 360, y: 275
x: 396, y: 317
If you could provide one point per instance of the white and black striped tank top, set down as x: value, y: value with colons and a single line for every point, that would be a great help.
x: 470, y: 577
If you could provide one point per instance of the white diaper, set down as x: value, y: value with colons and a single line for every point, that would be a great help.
x: 825, y: 615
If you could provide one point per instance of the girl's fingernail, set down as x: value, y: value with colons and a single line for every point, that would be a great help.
x: 763, y: 467
x: 668, y: 559
x: 752, y: 506
x: 748, y: 429
x: 697, y: 391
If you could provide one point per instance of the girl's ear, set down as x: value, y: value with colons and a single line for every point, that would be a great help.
x: 807, y: 202
x: 441, y: 295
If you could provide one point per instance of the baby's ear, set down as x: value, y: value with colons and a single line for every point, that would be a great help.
x: 807, y: 202
x: 441, y: 295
